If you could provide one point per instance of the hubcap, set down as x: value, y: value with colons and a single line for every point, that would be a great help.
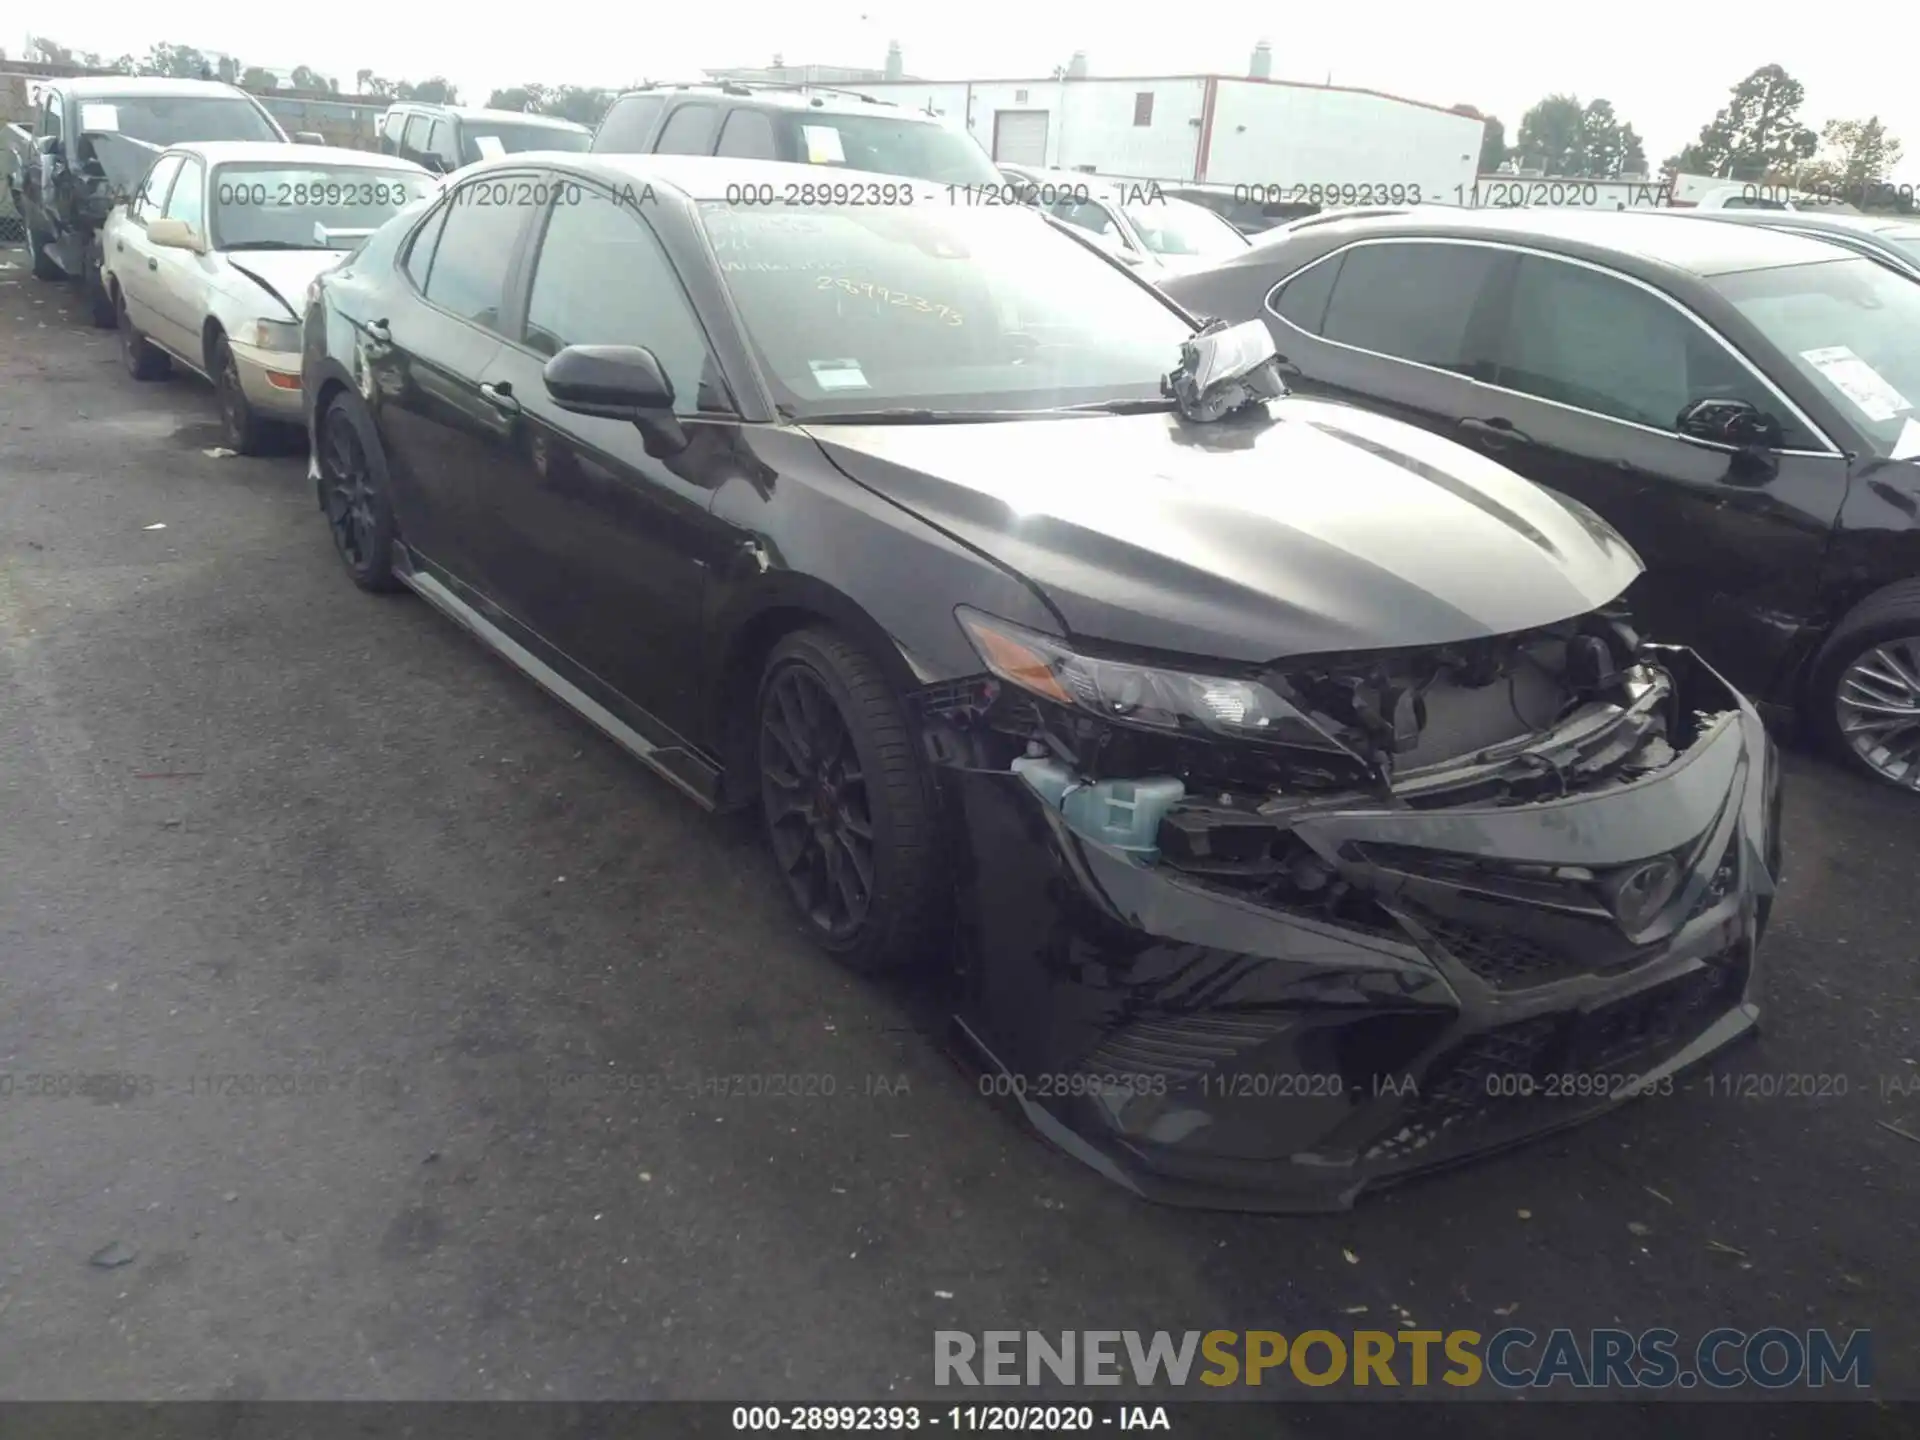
x: 349, y: 490
x: 1878, y: 707
x: 816, y: 802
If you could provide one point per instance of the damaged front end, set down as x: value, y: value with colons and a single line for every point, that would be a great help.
x: 1264, y: 939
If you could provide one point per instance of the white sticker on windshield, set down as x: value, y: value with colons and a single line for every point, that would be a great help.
x: 838, y: 374
x: 1907, y: 447
x: 489, y: 146
x: 100, y: 117
x: 1854, y: 378
x: 823, y: 145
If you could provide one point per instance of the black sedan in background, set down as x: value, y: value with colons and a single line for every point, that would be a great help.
x: 1280, y: 790
x: 1738, y: 402
x: 1893, y: 240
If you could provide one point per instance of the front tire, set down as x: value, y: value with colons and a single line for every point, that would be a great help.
x: 1863, y: 693
x: 243, y: 429
x: 848, y: 809
x: 353, y: 492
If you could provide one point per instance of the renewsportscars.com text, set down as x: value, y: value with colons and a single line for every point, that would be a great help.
x: 1513, y: 1358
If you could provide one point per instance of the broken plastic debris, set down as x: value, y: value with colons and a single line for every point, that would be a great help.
x: 113, y: 1255
x: 219, y: 452
x: 158, y: 525
x: 943, y: 1294
x: 1352, y: 1259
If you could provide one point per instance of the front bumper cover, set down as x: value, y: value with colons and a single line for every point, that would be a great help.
x: 1203, y: 1047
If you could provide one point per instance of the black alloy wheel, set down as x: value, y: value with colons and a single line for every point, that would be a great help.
x: 848, y: 811
x: 355, y: 501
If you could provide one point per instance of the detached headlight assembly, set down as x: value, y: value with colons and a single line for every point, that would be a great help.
x: 282, y: 335
x: 1152, y: 698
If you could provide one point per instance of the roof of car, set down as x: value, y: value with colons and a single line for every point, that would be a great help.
x: 1661, y: 239
x: 1815, y: 220
x: 140, y: 86
x: 267, y: 152
x: 822, y: 98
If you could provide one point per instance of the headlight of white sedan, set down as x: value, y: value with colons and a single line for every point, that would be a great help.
x: 283, y: 335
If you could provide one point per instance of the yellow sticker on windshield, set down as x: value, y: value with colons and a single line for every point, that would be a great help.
x: 882, y: 295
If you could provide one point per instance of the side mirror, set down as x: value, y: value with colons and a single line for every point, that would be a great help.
x: 308, y: 137
x: 618, y: 382
x: 47, y: 145
x: 171, y: 234
x: 1738, y: 424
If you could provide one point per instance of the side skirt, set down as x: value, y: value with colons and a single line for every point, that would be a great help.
x: 680, y: 766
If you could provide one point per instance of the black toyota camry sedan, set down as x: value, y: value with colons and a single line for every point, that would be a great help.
x: 1738, y: 401
x: 1280, y: 789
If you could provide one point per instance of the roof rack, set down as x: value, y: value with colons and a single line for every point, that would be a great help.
x: 753, y: 87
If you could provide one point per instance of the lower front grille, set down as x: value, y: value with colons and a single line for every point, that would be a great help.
x: 1182, y: 1047
x: 1502, y: 959
x: 1524, y: 1069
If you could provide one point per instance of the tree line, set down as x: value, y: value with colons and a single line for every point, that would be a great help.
x: 1756, y: 136
x: 185, y: 62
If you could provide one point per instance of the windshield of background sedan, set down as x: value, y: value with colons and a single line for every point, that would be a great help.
x: 1179, y: 227
x: 166, y: 120
x: 937, y: 307
x: 275, y: 207
x: 1849, y: 327
x: 478, y: 137
x: 889, y: 146
x: 1907, y: 242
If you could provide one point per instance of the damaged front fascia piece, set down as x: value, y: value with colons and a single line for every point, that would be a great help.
x: 1223, y: 369
x: 1561, y: 711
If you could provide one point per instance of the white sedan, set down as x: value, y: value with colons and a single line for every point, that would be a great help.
x: 208, y: 264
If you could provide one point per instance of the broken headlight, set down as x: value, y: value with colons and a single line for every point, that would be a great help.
x: 1144, y: 695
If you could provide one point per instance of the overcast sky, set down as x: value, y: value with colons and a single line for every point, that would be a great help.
x: 1665, y: 69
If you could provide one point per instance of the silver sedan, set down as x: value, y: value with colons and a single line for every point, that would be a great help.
x: 208, y: 264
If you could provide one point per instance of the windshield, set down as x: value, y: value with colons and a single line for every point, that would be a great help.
x: 1179, y: 227
x: 890, y: 145
x: 939, y: 308
x: 169, y: 120
x: 1848, y: 326
x: 279, y: 206
x: 479, y: 137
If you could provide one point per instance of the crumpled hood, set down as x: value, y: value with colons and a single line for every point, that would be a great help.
x: 1310, y: 528
x: 285, y: 273
x: 123, y: 160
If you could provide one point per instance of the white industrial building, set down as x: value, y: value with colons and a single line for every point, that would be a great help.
x: 1211, y: 129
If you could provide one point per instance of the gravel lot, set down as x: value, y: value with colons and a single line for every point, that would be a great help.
x: 256, y: 823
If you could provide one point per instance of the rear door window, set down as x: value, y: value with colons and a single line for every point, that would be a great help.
x: 748, y: 135
x: 1414, y: 301
x: 689, y: 131
x: 470, y: 265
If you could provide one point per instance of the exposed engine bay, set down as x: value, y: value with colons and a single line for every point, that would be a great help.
x: 1563, y: 710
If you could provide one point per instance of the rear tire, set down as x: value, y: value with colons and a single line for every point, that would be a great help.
x: 353, y: 493
x: 1863, y: 691
x: 242, y: 428
x: 847, y: 806
x: 142, y: 360
x: 43, y: 266
x: 100, y: 308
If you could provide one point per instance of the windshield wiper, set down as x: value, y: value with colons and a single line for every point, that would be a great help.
x: 1117, y: 407
x: 906, y: 415
x: 267, y: 245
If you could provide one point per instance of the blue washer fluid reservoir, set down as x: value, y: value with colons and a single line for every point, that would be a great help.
x: 1124, y: 814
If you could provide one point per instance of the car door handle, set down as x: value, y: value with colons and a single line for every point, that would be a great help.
x: 501, y: 398
x: 153, y: 264
x: 1495, y: 434
x: 119, y: 245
